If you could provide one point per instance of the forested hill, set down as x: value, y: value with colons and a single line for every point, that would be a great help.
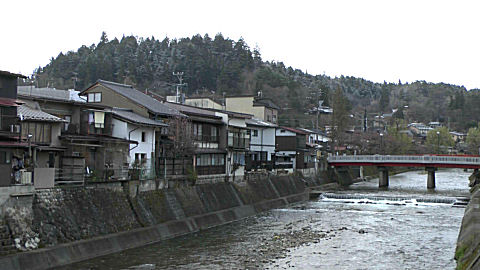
x: 219, y: 65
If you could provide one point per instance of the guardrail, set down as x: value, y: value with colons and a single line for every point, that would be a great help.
x: 423, y: 159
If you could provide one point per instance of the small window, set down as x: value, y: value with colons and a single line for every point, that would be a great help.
x: 143, y: 136
x: 255, y: 133
x: 94, y: 97
x: 67, y: 118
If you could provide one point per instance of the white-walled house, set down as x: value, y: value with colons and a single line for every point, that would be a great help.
x: 262, y: 144
x: 134, y: 127
x: 238, y: 141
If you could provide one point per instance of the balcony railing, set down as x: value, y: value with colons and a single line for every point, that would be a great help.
x: 205, y: 138
x: 206, y: 170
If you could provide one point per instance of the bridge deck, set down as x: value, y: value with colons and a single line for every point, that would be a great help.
x: 439, y: 161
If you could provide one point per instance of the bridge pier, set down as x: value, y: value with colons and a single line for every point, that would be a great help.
x: 383, y: 177
x: 431, y: 177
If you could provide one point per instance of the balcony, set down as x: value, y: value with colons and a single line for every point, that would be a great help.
x: 238, y: 142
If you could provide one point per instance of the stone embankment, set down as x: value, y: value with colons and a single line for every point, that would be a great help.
x: 73, y: 224
x: 467, y: 253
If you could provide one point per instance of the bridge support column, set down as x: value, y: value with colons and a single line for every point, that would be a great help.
x: 431, y: 177
x: 383, y: 177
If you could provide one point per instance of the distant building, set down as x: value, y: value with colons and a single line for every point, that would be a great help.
x: 458, y: 136
x: 204, y: 102
x: 262, y: 108
x: 419, y: 129
x: 434, y: 125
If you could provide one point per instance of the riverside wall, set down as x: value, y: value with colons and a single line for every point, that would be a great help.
x: 60, y: 226
x: 467, y: 252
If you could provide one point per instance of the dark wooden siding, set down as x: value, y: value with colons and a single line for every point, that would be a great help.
x: 286, y: 143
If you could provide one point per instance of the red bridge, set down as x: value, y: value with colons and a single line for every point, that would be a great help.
x: 430, y: 162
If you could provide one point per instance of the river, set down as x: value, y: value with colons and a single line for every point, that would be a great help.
x: 360, y: 227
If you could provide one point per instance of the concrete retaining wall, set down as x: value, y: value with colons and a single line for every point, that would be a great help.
x: 467, y: 252
x: 82, y: 223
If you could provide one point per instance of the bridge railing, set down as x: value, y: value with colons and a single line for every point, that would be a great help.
x: 424, y: 159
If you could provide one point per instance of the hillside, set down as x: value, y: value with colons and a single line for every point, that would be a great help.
x: 218, y: 66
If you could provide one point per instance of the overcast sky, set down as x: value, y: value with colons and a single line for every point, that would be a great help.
x: 436, y: 41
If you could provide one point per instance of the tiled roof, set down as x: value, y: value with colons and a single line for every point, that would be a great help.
x: 129, y: 115
x: 26, y: 113
x: 49, y: 93
x: 258, y: 122
x: 190, y: 109
x: 139, y: 97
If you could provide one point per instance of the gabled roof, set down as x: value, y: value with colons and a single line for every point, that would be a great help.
x: 197, y: 114
x: 130, y: 116
x: 151, y: 104
x: 294, y: 130
x: 9, y: 74
x: 26, y: 113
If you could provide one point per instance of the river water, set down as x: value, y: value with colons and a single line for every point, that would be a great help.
x: 361, y: 227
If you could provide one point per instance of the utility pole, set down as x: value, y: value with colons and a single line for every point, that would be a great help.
x: 320, y: 102
x: 179, y: 76
x: 74, y: 79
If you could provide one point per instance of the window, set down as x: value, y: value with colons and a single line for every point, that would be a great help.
x: 197, y: 131
x: 4, y: 157
x: 274, y: 119
x: 143, y: 136
x: 213, y: 133
x: 210, y: 160
x: 255, y: 133
x: 67, y: 118
x: 239, y: 158
x: 94, y: 97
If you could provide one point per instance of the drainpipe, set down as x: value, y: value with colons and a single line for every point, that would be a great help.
x: 228, y: 162
x: 130, y: 132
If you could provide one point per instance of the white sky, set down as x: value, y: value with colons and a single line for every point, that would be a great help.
x: 436, y: 41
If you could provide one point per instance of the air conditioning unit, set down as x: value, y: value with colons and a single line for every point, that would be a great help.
x: 15, y: 128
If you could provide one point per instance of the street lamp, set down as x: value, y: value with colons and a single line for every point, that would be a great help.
x: 381, y: 143
x: 438, y: 142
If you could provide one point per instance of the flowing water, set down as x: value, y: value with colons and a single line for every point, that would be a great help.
x: 402, y: 227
